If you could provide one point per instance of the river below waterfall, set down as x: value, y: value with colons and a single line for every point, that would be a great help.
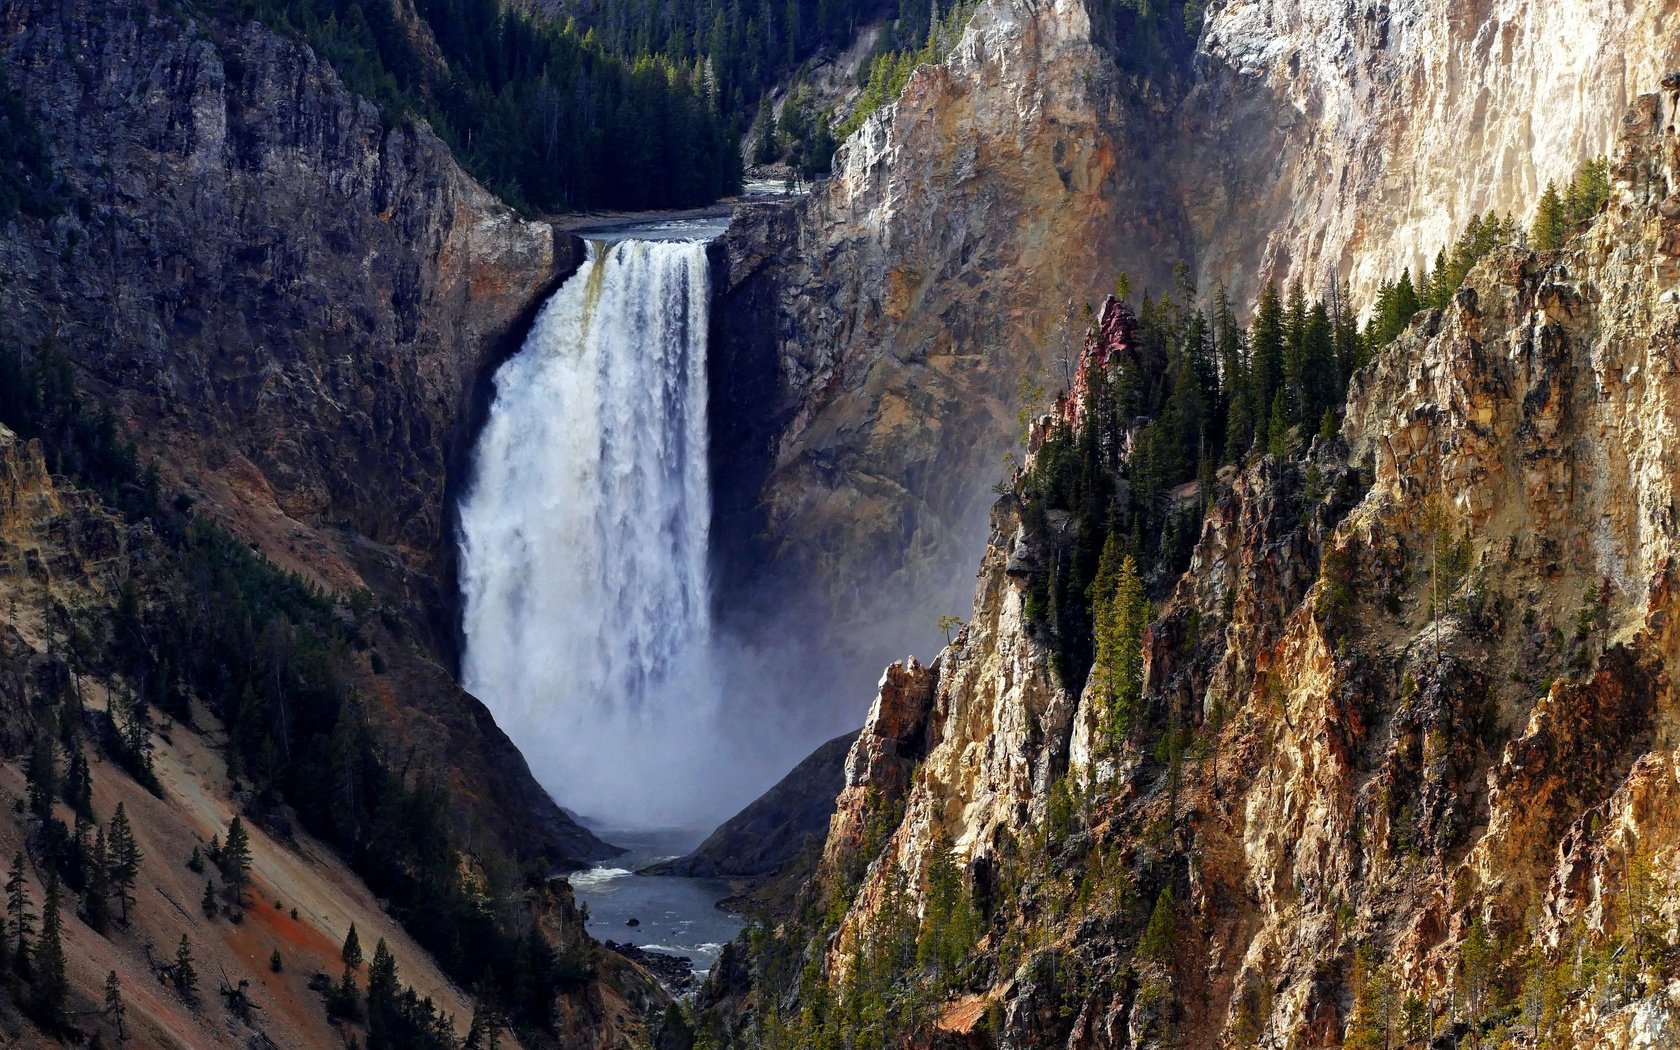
x: 674, y: 915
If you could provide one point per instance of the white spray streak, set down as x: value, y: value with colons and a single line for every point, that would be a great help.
x: 584, y: 541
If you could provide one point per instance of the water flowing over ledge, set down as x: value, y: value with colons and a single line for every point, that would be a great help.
x: 584, y: 538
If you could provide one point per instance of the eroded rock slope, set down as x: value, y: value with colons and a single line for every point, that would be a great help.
x: 1426, y: 672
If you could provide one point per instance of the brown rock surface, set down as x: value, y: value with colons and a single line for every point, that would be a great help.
x: 1388, y: 754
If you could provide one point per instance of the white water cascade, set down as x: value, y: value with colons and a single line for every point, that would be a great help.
x: 584, y: 541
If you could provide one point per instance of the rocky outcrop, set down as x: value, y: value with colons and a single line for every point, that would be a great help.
x: 1428, y: 671
x: 289, y: 298
x: 1357, y: 140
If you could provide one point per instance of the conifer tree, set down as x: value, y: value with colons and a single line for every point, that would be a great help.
x: 1320, y: 386
x: 78, y: 785
x: 381, y: 996
x: 42, y: 776
x: 97, y: 898
x: 52, y: 985
x: 235, y: 862
x: 1590, y: 190
x: 351, y: 953
x: 1278, y: 442
x: 1551, y: 222
x: 345, y: 999
x: 125, y: 858
x: 1477, y: 962
x: 1266, y: 347
x: 208, y: 901
x: 186, y: 976
x: 115, y: 1011
x: 1161, y: 933
x: 18, y: 912
x: 1122, y: 613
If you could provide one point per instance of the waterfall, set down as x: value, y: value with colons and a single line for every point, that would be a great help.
x: 584, y: 539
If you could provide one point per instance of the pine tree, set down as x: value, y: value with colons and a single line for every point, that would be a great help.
x: 1551, y: 222
x: 52, y: 985
x: 97, y: 899
x: 115, y: 1011
x: 18, y: 912
x: 276, y: 962
x: 1121, y: 614
x: 1161, y: 933
x: 1477, y: 962
x: 351, y: 953
x: 381, y: 996
x: 1279, y: 442
x: 382, y: 973
x: 1374, y: 1003
x: 345, y: 1000
x: 42, y: 776
x: 1320, y: 385
x: 125, y: 858
x: 208, y: 901
x: 186, y: 977
x: 1266, y: 346
x: 765, y: 147
x: 235, y: 862
x: 1590, y: 190
x: 78, y: 785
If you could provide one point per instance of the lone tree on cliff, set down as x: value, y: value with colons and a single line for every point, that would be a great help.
x: 125, y: 858
x: 235, y: 862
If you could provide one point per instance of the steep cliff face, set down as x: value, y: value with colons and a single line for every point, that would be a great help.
x: 1427, y: 675
x: 290, y: 305
x: 924, y: 288
x: 289, y: 299
x: 1360, y: 139
x: 909, y: 298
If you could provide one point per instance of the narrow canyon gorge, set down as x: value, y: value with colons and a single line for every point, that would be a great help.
x: 405, y: 461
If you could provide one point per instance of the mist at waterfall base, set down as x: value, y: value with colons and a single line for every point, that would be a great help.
x: 584, y: 554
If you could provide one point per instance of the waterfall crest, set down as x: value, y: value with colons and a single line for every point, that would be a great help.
x: 586, y: 604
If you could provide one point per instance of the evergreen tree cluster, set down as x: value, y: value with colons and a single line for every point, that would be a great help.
x: 889, y: 70
x: 32, y: 957
x: 803, y: 136
x: 1398, y: 301
x: 544, y: 113
x: 748, y: 45
x: 1561, y: 214
x: 1193, y: 391
x: 206, y: 619
x: 396, y: 1016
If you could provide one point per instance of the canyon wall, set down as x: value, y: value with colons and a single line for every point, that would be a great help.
x: 1353, y: 140
x: 913, y: 303
x: 290, y: 303
x: 289, y: 297
x: 1427, y: 672
x: 906, y: 306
